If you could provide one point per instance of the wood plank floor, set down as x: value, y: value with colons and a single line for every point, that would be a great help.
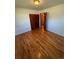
x: 39, y: 45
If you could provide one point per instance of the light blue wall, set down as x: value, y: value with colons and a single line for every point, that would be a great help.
x: 55, y: 19
x: 22, y: 21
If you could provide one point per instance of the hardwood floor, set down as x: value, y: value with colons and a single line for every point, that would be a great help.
x: 39, y: 45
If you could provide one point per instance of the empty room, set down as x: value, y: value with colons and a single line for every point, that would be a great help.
x: 39, y: 29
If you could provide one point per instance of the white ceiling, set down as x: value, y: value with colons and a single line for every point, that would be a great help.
x: 43, y: 4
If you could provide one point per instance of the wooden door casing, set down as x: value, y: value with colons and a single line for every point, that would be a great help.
x: 43, y: 18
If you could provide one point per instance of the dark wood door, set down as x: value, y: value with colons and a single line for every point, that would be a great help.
x: 34, y: 20
x: 43, y: 18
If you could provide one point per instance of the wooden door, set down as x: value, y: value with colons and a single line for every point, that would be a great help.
x: 34, y: 20
x: 43, y: 18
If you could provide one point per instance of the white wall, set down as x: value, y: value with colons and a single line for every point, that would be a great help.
x: 55, y: 21
x: 22, y: 21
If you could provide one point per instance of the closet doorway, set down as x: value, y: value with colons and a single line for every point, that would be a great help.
x: 34, y: 20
